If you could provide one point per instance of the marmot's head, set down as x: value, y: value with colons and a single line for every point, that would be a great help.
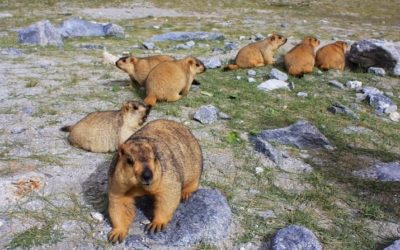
x: 314, y: 42
x: 196, y: 66
x: 342, y: 45
x: 135, y: 113
x: 138, y: 161
x: 276, y: 40
x: 127, y: 64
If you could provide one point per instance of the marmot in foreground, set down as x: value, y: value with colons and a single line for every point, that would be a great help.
x: 139, y: 68
x: 104, y: 131
x: 332, y: 56
x: 162, y: 159
x: 257, y: 54
x: 301, y: 58
x: 169, y: 81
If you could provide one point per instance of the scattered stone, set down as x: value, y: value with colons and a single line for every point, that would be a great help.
x: 251, y: 80
x: 77, y: 27
x: 206, y: 114
x: 284, y: 25
x: 97, y: 216
x: 115, y: 30
x: 302, y: 94
x: 217, y: 50
x: 354, y: 84
x: 149, y: 45
x: 5, y: 15
x: 301, y: 134
x: 389, y: 94
x: 381, y: 103
x: 41, y: 33
x: 203, y: 45
x: 340, y: 108
x: 263, y: 146
x: 223, y: 116
x: 394, y: 246
x: 251, y: 73
x: 91, y: 46
x: 291, y: 85
x: 186, y: 36
x: 155, y: 27
x: 259, y: 170
x: 277, y: 74
x: 356, y: 130
x: 238, y: 77
x: 17, y: 130
x: 267, y: 214
x: 273, y: 84
x: 295, y: 237
x: 182, y: 46
x: 190, y: 43
x: 376, y: 53
x: 394, y: 116
x: 377, y: 71
x: 12, y: 52
x: 336, y: 84
x: 381, y: 172
x: 211, y: 62
x: 230, y: 46
x: 259, y: 36
x: 371, y: 91
x: 241, y: 38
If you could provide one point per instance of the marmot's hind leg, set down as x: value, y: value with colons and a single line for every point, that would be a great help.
x: 189, y: 188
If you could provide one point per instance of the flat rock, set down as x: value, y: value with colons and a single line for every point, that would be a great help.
x: 381, y: 172
x: 211, y: 62
x: 336, y: 84
x: 302, y: 94
x: 354, y: 84
x: 273, y: 84
x: 341, y: 109
x: 41, y: 33
x: 295, y: 237
x: 356, y: 130
x: 149, y: 45
x: 13, y: 52
x: 77, y: 27
x: 377, y: 71
x: 264, y: 147
x: 251, y: 73
x: 277, y: 74
x: 301, y: 134
x: 206, y: 114
x: 187, y: 36
x: 394, y: 246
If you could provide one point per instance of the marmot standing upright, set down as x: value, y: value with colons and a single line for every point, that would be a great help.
x: 257, y: 54
x: 164, y: 160
x: 332, y: 56
x: 169, y: 81
x: 301, y: 58
x: 104, y: 131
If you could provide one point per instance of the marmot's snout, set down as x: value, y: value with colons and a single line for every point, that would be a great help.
x: 147, y: 176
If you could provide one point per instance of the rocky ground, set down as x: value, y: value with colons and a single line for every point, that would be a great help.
x: 310, y: 163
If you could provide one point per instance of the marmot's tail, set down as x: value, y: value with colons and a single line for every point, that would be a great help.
x: 150, y: 100
x: 66, y: 128
x: 230, y: 67
x: 295, y: 71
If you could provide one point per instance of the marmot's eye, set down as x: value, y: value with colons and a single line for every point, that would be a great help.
x: 197, y: 65
x: 135, y: 107
x: 129, y: 161
x: 123, y: 60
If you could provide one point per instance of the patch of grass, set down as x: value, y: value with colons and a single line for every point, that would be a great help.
x: 36, y: 236
x: 32, y: 83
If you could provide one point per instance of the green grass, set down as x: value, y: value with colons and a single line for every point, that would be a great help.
x: 36, y: 236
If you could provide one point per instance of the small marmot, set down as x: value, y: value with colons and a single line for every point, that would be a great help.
x: 301, y: 58
x: 163, y: 160
x: 104, y: 131
x: 139, y: 68
x: 169, y: 81
x: 258, y: 54
x: 332, y: 56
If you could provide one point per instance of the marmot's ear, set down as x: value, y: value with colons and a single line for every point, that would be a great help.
x: 125, y: 107
x: 191, y: 61
x: 273, y: 38
x: 133, y: 59
x: 121, y: 150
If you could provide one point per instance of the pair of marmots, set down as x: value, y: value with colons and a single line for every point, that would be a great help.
x: 164, y: 78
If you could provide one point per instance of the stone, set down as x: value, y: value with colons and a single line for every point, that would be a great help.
x: 394, y: 116
x: 277, y: 74
x: 230, y: 46
x: 223, y: 116
x: 211, y: 62
x: 370, y: 90
x: 295, y: 237
x: 263, y: 146
x: 259, y: 36
x: 97, y: 216
x: 13, y: 52
x: 77, y: 27
x: 190, y: 43
x: 377, y: 71
x: 5, y: 15
x: 115, y: 30
x: 381, y: 172
x: 41, y: 33
x: 284, y: 25
x: 376, y: 53
x: 341, y: 109
x: 354, y: 84
x: 17, y: 130
x: 149, y: 45
x: 259, y: 170
x: 381, y: 103
x: 251, y: 73
x: 302, y: 94
x: 273, y: 84
x: 336, y: 84
x: 301, y: 134
x: 356, y: 130
x: 206, y: 114
x: 251, y: 80
x: 394, y: 246
x: 91, y: 46
x: 187, y: 36
x: 182, y: 46
x: 267, y: 214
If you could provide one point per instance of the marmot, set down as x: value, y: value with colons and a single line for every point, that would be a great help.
x: 104, y: 131
x: 168, y: 81
x: 301, y: 58
x: 163, y: 160
x: 257, y: 54
x: 332, y: 56
x: 138, y: 68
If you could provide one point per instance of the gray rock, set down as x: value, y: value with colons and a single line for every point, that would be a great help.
x: 267, y: 214
x: 230, y: 46
x: 354, y: 84
x: 273, y: 84
x: 277, y: 74
x: 149, y: 45
x: 302, y: 135
x: 17, y: 130
x: 341, y: 109
x: 284, y: 25
x: 136, y: 242
x: 190, y: 43
x: 302, y: 94
x: 336, y: 84
x: 394, y: 246
x: 28, y: 110
x: 381, y: 103
x: 97, y: 216
x: 77, y: 27
x: 206, y: 114
x: 356, y: 130
x: 251, y: 73
x: 182, y: 46
x: 13, y: 52
x: 212, y: 62
x: 381, y: 172
x: 295, y: 237
x: 115, y: 30
x: 263, y: 146
x: 370, y: 90
x: 376, y: 53
x: 389, y: 94
x: 187, y: 36
x: 91, y: 46
x: 259, y: 36
x: 223, y: 116
x: 41, y: 33
x: 251, y: 79
x: 377, y: 71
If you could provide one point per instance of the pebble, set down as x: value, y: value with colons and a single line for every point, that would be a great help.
x: 302, y: 94
x: 251, y: 80
x: 251, y: 73
x: 336, y: 84
x: 97, y: 216
x: 354, y: 84
x: 259, y: 170
x: 394, y: 116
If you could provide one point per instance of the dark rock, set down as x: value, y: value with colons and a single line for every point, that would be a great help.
x: 340, y: 108
x: 377, y: 71
x: 149, y: 45
x: 284, y: 25
x: 381, y: 172
x: 77, y: 27
x: 267, y: 149
x: 206, y: 114
x: 336, y: 84
x: 217, y: 50
x: 381, y: 103
x: 394, y: 246
x: 187, y: 36
x: 302, y: 134
x: 376, y: 53
x: 91, y: 46
x: 41, y: 33
x: 295, y: 237
x: 277, y: 74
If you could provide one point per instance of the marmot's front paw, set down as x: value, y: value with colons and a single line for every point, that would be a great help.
x: 155, y: 227
x: 117, y: 235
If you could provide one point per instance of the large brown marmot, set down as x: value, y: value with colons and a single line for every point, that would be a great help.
x: 169, y: 81
x: 301, y: 58
x: 162, y: 159
x: 332, y: 56
x: 104, y: 131
x: 257, y: 54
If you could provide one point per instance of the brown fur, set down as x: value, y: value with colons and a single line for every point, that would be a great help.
x: 164, y: 160
x: 257, y: 54
x: 139, y: 68
x: 301, y: 58
x: 332, y: 56
x: 169, y: 81
x: 104, y: 131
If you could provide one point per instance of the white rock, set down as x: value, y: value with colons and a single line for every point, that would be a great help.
x: 238, y: 77
x: 302, y: 94
x: 259, y: 170
x: 394, y: 116
x: 251, y: 73
x: 354, y: 84
x: 251, y: 79
x: 97, y: 216
x: 273, y: 84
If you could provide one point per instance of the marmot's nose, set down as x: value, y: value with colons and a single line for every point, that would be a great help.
x: 147, y: 175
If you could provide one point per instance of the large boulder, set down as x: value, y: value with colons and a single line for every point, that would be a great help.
x: 394, y: 246
x: 376, y: 53
x: 41, y: 33
x: 295, y: 237
x: 77, y: 27
x: 187, y: 36
x: 381, y: 172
